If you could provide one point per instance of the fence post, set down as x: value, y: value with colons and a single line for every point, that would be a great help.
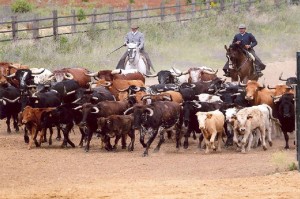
x: 110, y: 17
x: 193, y: 8
x: 177, y: 10
x: 14, y: 27
x: 145, y: 13
x: 298, y: 110
x: 73, y: 26
x: 55, y: 24
x: 129, y: 15
x: 222, y: 5
x: 207, y: 7
x: 35, y: 31
x: 162, y: 10
x: 94, y: 18
x: 249, y: 4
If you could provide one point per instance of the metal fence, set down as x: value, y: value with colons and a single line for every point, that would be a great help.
x: 52, y: 26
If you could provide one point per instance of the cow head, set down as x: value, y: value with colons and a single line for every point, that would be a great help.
x: 101, y: 123
x: 87, y: 110
x: 60, y: 75
x: 164, y: 77
x: 141, y: 114
x: 27, y: 115
x: 286, y: 106
x: 281, y: 89
x: 252, y: 88
x: 202, y: 117
x: 189, y: 110
x: 243, y: 122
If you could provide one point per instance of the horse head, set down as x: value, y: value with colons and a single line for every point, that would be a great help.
x: 133, y: 50
x: 234, y: 51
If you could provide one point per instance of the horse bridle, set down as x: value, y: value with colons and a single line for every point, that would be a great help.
x: 237, y: 68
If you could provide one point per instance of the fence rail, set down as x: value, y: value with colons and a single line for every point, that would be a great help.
x: 109, y: 20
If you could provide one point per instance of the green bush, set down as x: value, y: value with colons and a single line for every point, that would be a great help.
x: 292, y: 166
x: 131, y: 1
x: 81, y: 15
x: 21, y: 6
x: 86, y: 1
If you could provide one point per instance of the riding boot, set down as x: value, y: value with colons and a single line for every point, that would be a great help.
x: 226, y: 69
x: 258, y: 71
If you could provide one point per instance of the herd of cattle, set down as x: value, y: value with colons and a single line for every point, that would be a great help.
x: 117, y: 104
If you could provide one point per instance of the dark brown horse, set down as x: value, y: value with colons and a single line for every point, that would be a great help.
x: 242, y: 64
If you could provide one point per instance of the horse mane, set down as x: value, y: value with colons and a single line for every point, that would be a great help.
x: 236, y: 47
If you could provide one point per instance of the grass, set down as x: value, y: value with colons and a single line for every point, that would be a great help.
x: 282, y: 162
x: 193, y: 43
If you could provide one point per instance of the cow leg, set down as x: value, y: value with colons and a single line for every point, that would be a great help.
x: 212, y: 140
x: 89, y: 137
x: 235, y: 139
x: 244, y: 141
x: 8, y: 124
x: 26, y: 138
x: 142, y: 138
x: 58, y: 137
x: 35, y: 133
x: 229, y: 134
x: 178, y: 138
x: 263, y: 137
x: 186, y: 138
x: 201, y: 137
x: 161, y: 140
x: 82, y: 137
x: 41, y: 134
x: 108, y: 145
x: 50, y: 138
x: 15, y: 120
x: 152, y: 137
x: 45, y: 135
x: 124, y: 138
x: 31, y: 141
x: 256, y: 133
x: 66, y: 132
x: 269, y: 133
x: 286, y: 137
x: 132, y: 137
x: 206, y: 144
x: 220, y: 135
x: 194, y: 135
x: 118, y: 137
x: 250, y: 141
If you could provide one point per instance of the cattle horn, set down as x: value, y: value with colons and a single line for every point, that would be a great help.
x: 3, y: 101
x: 150, y: 75
x: 197, y: 105
x: 34, y: 95
x: 129, y: 109
x: 167, y: 98
x: 136, y: 89
x: 107, y: 84
x: 160, y: 90
x: 38, y: 73
x: 280, y: 77
x: 210, y: 73
x: 178, y: 72
x: 96, y: 110
x: 78, y: 107
x: 91, y: 74
x: 146, y: 97
x: 225, y: 46
x: 10, y: 76
x: 122, y: 90
x: 32, y: 86
x: 75, y: 101
x: 11, y: 101
x: 150, y: 111
x: 70, y: 92
x: 95, y: 98
x: 193, y: 85
x: 117, y: 71
x: 270, y: 87
x: 242, y: 84
x: 276, y: 97
x: 68, y: 76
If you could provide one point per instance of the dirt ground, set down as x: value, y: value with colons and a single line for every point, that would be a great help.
x: 52, y: 172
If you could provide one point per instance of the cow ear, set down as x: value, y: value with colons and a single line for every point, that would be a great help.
x: 249, y: 116
x: 233, y: 117
x: 208, y: 115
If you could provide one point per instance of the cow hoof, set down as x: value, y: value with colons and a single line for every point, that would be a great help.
x: 286, y: 147
x: 270, y: 143
x: 145, y: 154
x: 185, y: 145
x: 58, y: 138
x: 8, y: 131
x: 265, y: 148
x: 243, y: 151
x: 155, y: 150
x: 72, y: 145
x: 86, y: 150
x: 26, y: 139
x: 124, y: 147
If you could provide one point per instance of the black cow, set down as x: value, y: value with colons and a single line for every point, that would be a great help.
x: 155, y: 118
x: 93, y: 95
x: 286, y: 115
x: 165, y: 77
x: 157, y: 88
x: 289, y: 81
x: 90, y: 113
x: 64, y: 118
x: 66, y: 90
x: 10, y: 105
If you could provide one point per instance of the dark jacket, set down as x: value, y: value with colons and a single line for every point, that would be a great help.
x: 246, y: 39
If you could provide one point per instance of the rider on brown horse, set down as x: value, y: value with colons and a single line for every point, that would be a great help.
x: 247, y: 41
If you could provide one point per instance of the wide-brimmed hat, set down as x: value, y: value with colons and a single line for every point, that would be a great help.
x: 242, y: 26
x: 135, y: 26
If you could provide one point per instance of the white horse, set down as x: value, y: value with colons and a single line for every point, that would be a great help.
x: 135, y: 60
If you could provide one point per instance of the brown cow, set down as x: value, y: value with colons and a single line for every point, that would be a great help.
x: 109, y: 75
x: 31, y: 117
x: 164, y: 96
x: 7, y: 70
x: 281, y: 89
x: 77, y: 74
x: 200, y: 74
x: 257, y: 94
x: 118, y: 126
x: 118, y: 85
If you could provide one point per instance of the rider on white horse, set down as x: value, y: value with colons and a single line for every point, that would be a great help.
x: 135, y: 37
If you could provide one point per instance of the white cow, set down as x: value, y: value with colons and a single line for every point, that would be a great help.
x: 211, y: 124
x: 43, y: 77
x: 204, y: 97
